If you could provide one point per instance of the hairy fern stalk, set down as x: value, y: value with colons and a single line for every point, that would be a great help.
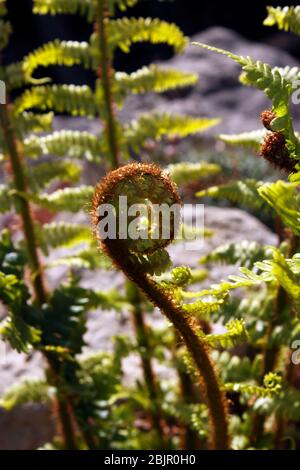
x: 94, y: 409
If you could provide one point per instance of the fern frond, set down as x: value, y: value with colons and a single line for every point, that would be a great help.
x: 83, y: 7
x: 41, y: 175
x: 152, y: 78
x: 63, y: 234
x: 245, y: 253
x: 71, y: 7
x: 5, y: 32
x: 237, y: 369
x: 71, y: 99
x: 67, y: 53
x: 156, y: 126
x: 185, y: 173
x: 75, y: 144
x: 28, y: 122
x: 28, y: 391
x: 5, y: 199
x: 124, y: 32
x: 252, y: 140
x: 277, y: 88
x: 272, y: 387
x: 13, y: 76
x: 283, y: 197
x: 287, y: 18
x: 281, y: 270
x: 236, y: 333
x: 68, y: 199
x: 242, y: 192
x: 88, y: 258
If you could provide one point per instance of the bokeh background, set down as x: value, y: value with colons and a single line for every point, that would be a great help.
x: 192, y: 16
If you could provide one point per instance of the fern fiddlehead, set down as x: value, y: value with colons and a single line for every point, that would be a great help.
x: 136, y: 258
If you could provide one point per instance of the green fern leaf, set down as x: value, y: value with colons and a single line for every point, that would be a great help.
x: 72, y: 7
x: 75, y: 144
x: 71, y: 99
x: 152, y: 78
x: 245, y: 253
x: 156, y: 126
x: 41, y: 175
x: 283, y: 197
x: 67, y: 53
x: 124, y: 32
x: 88, y: 258
x: 32, y: 122
x: 13, y: 76
x: 62, y: 234
x: 236, y: 333
x: 242, y: 192
x: 287, y: 18
x: 252, y: 140
x: 86, y: 8
x: 185, y: 173
x: 28, y: 391
x: 272, y: 387
x: 68, y: 199
x: 5, y: 199
x: 277, y: 88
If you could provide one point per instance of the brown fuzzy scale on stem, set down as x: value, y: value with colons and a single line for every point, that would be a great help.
x: 120, y: 253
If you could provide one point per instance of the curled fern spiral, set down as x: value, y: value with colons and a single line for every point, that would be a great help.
x: 147, y: 184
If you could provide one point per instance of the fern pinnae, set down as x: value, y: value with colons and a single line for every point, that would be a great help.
x: 151, y: 177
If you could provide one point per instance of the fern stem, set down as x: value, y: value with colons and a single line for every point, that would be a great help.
x: 197, y: 348
x: 21, y: 187
x: 33, y: 258
x: 145, y: 355
x: 190, y: 438
x: 105, y: 73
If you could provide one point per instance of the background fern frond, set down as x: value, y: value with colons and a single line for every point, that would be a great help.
x: 276, y: 87
x: 76, y: 144
x: 245, y: 253
x: 27, y: 391
x: 43, y: 174
x: 152, y: 78
x: 29, y: 122
x: 63, y: 234
x: 156, y: 126
x: 252, y: 140
x: 67, y: 53
x: 68, y: 199
x: 236, y: 333
x: 75, y: 100
x: 124, y: 32
x: 244, y: 192
x: 5, y: 199
x: 185, y: 173
x: 287, y: 18
x: 52, y: 7
x: 283, y: 197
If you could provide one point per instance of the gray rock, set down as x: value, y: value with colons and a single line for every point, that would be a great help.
x: 29, y: 426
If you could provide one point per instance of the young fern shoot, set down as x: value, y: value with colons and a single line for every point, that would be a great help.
x: 138, y: 258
